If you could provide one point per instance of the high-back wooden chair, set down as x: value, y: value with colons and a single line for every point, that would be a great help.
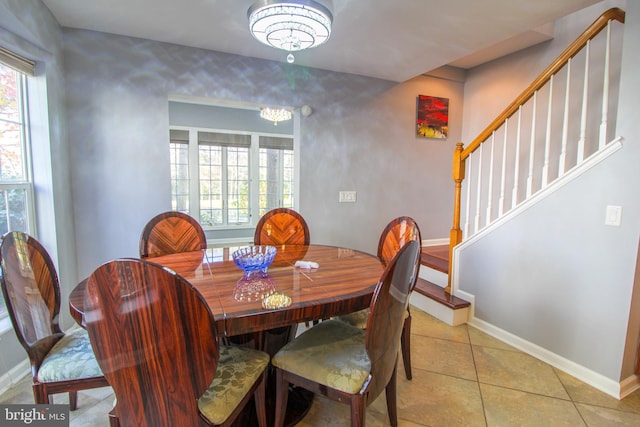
x: 349, y: 364
x: 397, y: 233
x: 60, y: 362
x: 155, y: 340
x: 169, y: 233
x: 282, y: 226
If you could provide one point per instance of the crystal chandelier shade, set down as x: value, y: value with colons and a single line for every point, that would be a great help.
x: 290, y: 25
x: 275, y: 114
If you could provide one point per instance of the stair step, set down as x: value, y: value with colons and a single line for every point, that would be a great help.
x: 436, y: 257
x: 438, y: 294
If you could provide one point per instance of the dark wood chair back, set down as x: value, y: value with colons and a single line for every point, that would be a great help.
x: 155, y: 340
x: 169, y: 233
x: 386, y: 315
x: 282, y: 226
x: 395, y: 235
x: 32, y: 295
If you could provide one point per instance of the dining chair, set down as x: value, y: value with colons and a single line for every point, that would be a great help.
x: 60, y: 362
x: 155, y: 340
x: 281, y: 226
x: 169, y: 233
x: 349, y: 364
x: 395, y: 235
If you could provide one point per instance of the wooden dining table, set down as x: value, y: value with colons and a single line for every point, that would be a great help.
x: 343, y: 283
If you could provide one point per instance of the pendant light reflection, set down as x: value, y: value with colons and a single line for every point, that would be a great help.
x: 275, y: 115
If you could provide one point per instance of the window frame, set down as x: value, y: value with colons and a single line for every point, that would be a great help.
x: 254, y: 174
x: 26, y: 182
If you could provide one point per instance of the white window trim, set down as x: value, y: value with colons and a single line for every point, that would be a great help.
x: 254, y: 162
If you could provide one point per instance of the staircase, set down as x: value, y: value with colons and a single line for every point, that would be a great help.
x: 430, y: 295
x: 551, y: 133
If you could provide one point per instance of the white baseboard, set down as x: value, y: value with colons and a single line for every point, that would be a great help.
x: 14, y: 375
x: 586, y: 375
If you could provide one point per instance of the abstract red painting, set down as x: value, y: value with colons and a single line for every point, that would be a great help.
x: 432, y: 117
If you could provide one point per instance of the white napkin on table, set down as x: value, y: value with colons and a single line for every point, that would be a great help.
x: 307, y: 264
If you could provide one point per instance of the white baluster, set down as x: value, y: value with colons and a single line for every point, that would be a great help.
x: 467, y: 230
x: 532, y: 145
x: 479, y: 190
x: 516, y: 166
x: 605, y: 91
x: 562, y: 163
x: 583, y: 119
x: 504, y: 169
x: 547, y: 138
x: 490, y: 186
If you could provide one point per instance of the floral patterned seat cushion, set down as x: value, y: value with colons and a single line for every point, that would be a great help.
x: 238, y: 369
x: 358, y: 319
x: 331, y: 353
x: 70, y: 358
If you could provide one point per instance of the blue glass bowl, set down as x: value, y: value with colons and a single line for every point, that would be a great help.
x: 254, y: 258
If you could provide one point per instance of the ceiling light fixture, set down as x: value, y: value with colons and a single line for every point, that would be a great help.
x: 275, y: 114
x: 290, y: 25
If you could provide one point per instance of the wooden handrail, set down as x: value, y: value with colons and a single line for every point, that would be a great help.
x: 461, y: 154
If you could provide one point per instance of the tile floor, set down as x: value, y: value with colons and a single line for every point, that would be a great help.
x: 461, y: 377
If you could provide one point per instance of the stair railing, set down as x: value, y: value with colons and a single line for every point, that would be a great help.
x: 533, y: 133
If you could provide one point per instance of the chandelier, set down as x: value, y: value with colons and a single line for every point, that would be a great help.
x: 275, y: 114
x: 290, y: 25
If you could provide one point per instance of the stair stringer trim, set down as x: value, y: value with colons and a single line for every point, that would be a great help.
x: 551, y: 188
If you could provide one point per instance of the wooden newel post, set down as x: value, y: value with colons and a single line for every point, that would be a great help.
x: 455, y: 236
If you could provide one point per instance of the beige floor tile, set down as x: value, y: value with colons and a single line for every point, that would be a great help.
x: 518, y: 371
x: 437, y: 400
x: 442, y: 356
x: 327, y: 413
x: 428, y: 326
x: 597, y: 416
x: 477, y: 337
x: 584, y: 393
x: 507, y: 407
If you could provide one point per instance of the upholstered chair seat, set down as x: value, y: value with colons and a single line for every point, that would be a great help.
x: 395, y: 235
x: 346, y: 370
x: 238, y: 370
x: 60, y: 362
x: 359, y: 318
x: 348, y: 364
x: 71, y: 358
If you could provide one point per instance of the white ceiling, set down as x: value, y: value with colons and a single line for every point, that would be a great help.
x: 388, y: 39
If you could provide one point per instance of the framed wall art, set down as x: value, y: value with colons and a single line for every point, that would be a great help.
x: 432, y: 117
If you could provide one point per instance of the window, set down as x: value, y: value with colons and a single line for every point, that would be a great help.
x: 225, y: 164
x: 16, y: 188
x: 276, y: 173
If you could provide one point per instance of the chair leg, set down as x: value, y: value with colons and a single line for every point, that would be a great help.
x: 405, y: 345
x: 391, y: 394
x: 40, y: 395
x: 358, y: 411
x: 73, y: 400
x: 260, y: 400
x: 282, y: 396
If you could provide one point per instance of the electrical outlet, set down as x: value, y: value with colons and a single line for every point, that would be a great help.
x: 347, y: 197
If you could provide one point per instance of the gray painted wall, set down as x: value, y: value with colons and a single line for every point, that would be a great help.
x: 556, y: 275
x: 359, y: 137
x: 28, y: 28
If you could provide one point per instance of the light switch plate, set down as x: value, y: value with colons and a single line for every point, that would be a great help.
x: 347, y: 197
